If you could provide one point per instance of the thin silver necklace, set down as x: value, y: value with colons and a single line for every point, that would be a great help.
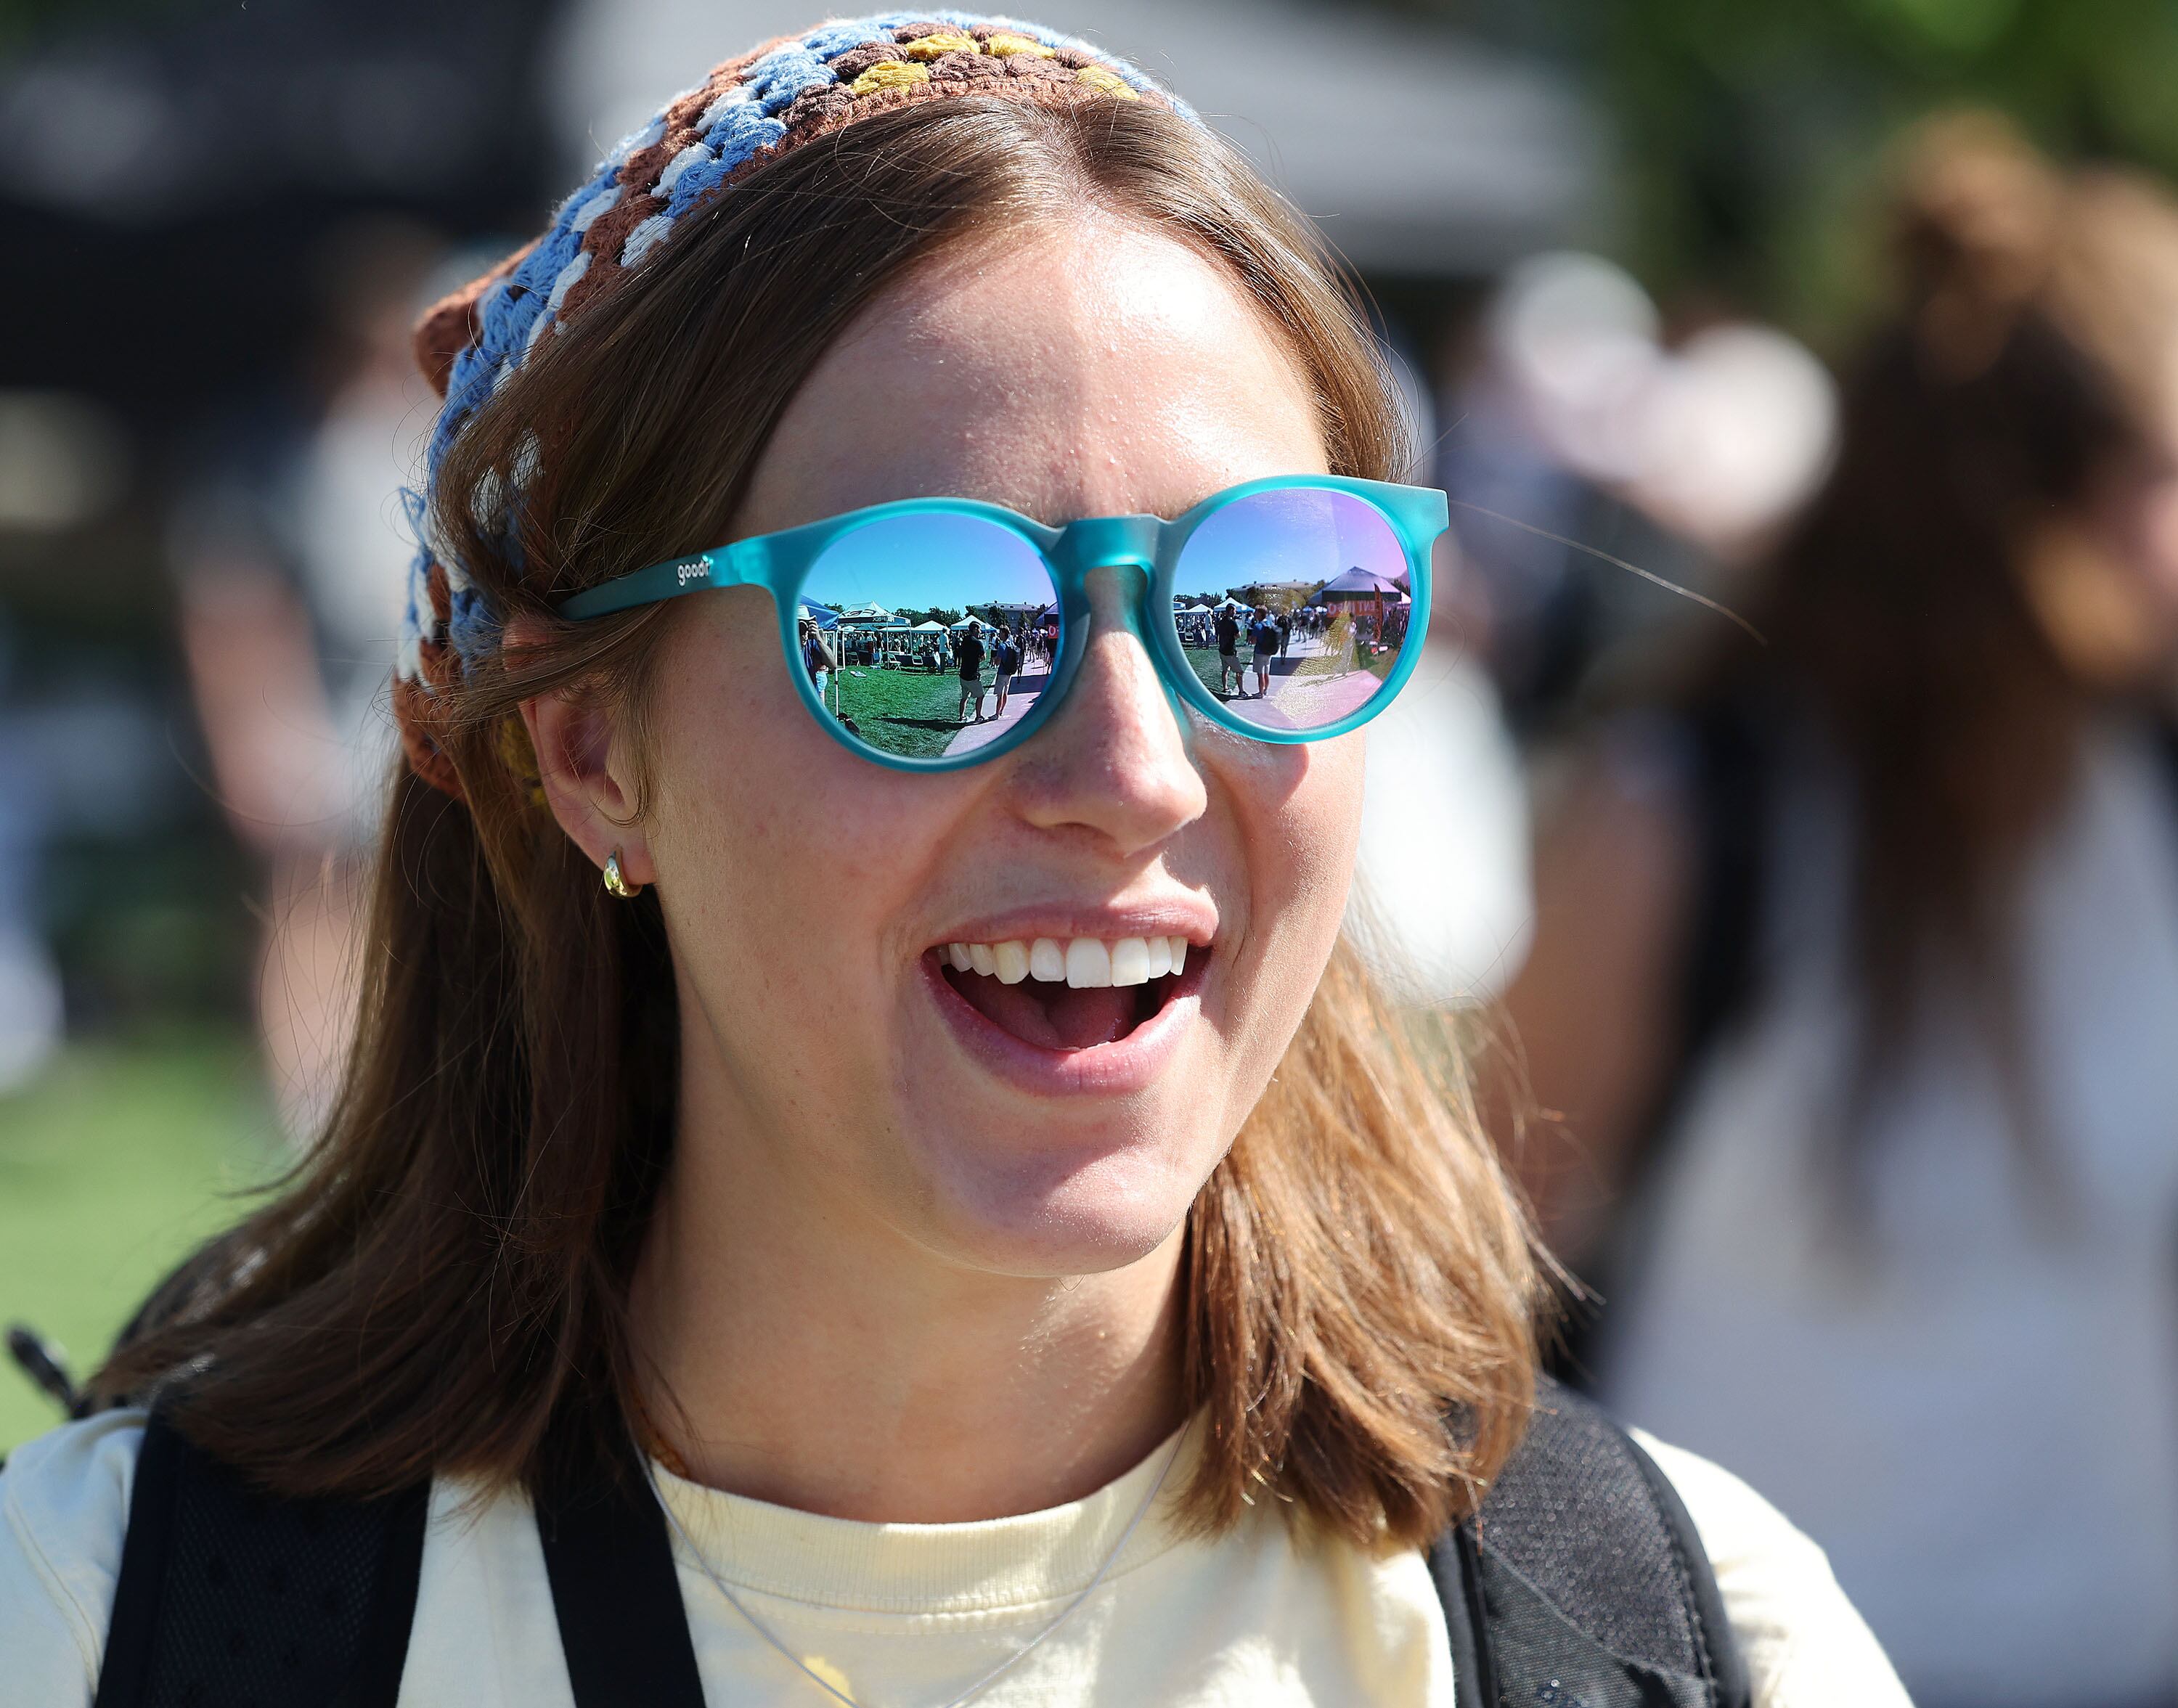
x: 989, y: 1678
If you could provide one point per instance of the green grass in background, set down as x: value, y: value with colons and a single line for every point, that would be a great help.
x: 112, y: 1165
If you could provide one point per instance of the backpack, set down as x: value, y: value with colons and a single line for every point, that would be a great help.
x: 1581, y: 1584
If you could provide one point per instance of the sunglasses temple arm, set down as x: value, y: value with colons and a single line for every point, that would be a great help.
x: 743, y: 563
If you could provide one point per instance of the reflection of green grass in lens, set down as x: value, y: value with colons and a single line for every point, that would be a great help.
x: 1205, y: 660
x: 910, y: 713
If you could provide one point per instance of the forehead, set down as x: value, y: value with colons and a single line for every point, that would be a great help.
x: 1089, y: 368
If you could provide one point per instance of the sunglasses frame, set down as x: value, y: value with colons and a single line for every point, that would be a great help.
x: 780, y: 563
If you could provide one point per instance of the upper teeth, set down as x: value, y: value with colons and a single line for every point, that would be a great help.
x: 1086, y: 963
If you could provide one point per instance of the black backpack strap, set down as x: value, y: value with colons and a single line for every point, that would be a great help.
x: 1581, y: 1580
x: 615, y: 1592
x: 228, y: 1595
x: 1457, y: 1572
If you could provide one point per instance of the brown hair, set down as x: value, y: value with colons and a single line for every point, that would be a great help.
x: 448, y: 1273
x: 2037, y: 312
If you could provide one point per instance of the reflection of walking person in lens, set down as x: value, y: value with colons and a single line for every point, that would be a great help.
x: 817, y: 657
x: 1229, y: 650
x: 1006, y: 663
x: 1263, y: 636
x: 970, y: 653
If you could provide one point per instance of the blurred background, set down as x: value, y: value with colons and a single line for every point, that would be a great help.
x: 1815, y: 916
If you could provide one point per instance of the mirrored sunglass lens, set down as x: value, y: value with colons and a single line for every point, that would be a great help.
x: 1293, y: 605
x: 928, y: 635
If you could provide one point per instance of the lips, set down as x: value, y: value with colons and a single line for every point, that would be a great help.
x: 1070, y: 1014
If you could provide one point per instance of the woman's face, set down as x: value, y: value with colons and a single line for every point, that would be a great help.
x: 1035, y: 1128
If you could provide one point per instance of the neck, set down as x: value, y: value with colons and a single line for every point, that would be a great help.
x: 799, y: 1350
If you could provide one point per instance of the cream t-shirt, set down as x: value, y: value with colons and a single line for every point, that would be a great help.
x: 908, y: 1616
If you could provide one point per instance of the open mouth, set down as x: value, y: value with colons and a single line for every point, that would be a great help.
x: 1071, y: 994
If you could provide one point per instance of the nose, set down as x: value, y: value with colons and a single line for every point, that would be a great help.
x: 1114, y: 761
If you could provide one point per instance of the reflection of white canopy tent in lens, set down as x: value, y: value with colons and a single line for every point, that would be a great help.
x: 1360, y: 584
x: 889, y: 631
x: 928, y: 628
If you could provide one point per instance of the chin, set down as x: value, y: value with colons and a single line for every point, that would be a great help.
x: 1080, y: 1197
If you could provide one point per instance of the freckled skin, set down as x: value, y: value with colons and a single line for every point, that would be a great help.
x: 872, y: 1252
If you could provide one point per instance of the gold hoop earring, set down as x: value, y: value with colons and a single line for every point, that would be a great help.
x: 616, y: 881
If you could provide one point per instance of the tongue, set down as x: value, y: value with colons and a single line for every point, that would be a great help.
x: 1052, y: 1017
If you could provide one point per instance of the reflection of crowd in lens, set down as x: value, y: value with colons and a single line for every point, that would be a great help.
x: 1004, y: 651
x: 1251, y: 640
x: 1007, y: 654
x: 989, y: 655
x: 984, y: 664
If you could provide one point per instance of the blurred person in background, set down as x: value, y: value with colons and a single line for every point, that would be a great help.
x: 1855, y: 981
x: 293, y: 563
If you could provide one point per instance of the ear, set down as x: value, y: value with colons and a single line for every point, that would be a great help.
x: 593, y: 797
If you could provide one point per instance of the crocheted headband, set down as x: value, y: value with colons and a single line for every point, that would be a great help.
x: 748, y: 112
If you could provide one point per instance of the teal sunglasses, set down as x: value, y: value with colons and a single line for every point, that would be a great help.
x: 936, y: 633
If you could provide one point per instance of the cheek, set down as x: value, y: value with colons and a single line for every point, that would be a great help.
x: 1299, y: 814
x: 776, y: 849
